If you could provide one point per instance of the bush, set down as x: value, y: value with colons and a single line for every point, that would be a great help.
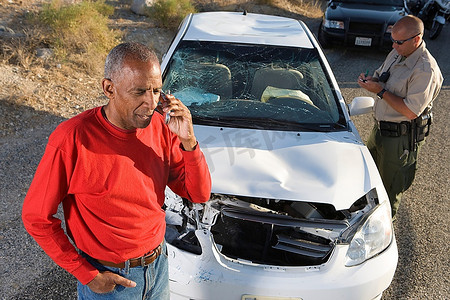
x: 170, y: 13
x: 79, y: 33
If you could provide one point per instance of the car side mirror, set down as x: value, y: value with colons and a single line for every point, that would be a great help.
x: 361, y: 105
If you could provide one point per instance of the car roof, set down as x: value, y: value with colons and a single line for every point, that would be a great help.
x: 247, y: 28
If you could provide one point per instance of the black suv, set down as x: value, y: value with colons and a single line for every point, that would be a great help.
x: 360, y: 23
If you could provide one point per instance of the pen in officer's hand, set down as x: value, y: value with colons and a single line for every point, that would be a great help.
x: 365, y: 75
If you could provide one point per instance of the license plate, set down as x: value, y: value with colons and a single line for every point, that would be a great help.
x: 363, y: 41
x: 254, y: 297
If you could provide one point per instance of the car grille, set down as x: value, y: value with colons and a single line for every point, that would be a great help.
x: 273, y: 240
x: 303, y: 247
x: 365, y: 28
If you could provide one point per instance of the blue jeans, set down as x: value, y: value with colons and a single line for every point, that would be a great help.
x: 152, y: 281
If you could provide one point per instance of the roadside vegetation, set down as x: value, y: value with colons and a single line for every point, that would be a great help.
x: 79, y: 34
x: 74, y: 34
x: 308, y: 8
x: 170, y: 13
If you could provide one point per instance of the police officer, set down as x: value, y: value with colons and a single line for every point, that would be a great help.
x: 406, y: 84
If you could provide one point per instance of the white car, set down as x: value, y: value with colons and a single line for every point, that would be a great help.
x: 298, y: 209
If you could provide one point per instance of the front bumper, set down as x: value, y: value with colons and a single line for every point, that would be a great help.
x: 341, y: 37
x: 212, y: 276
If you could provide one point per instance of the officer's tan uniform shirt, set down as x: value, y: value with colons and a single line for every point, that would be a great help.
x: 417, y: 79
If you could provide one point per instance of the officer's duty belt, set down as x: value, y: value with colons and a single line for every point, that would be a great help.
x: 394, y: 129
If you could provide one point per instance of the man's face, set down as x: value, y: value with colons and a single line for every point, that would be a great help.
x: 134, y: 94
x: 409, y: 44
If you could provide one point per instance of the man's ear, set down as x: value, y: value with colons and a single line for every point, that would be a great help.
x: 418, y: 40
x: 108, y: 88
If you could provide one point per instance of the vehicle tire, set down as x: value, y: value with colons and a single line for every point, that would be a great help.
x: 435, y: 29
x: 322, y: 39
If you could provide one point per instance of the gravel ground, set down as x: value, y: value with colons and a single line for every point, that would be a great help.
x: 27, y: 273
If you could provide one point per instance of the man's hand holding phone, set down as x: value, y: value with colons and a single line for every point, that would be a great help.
x: 178, y: 117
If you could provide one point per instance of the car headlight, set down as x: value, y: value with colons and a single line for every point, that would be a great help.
x: 372, y: 237
x: 334, y: 24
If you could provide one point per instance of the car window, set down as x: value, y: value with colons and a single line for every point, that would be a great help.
x: 253, y: 86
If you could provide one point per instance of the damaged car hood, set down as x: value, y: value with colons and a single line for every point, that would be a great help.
x: 333, y: 167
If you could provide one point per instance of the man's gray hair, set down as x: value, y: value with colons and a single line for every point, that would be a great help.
x: 114, y: 60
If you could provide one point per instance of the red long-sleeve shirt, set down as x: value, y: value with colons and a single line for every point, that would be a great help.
x: 111, y: 184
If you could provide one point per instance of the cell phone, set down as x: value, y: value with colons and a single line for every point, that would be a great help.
x: 167, y: 115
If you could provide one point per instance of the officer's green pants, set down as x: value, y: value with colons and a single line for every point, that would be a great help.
x: 396, y: 163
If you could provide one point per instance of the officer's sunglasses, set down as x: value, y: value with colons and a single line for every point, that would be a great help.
x: 400, y: 42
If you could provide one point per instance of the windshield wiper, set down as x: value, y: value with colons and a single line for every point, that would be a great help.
x: 235, y: 122
x: 271, y: 123
x: 339, y: 125
x: 266, y: 124
x: 212, y: 121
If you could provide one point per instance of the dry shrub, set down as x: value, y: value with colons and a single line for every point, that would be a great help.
x: 308, y: 8
x: 20, y: 48
x: 79, y: 33
x: 170, y: 13
x: 311, y: 8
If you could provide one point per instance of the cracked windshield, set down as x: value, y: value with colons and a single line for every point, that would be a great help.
x: 253, y: 86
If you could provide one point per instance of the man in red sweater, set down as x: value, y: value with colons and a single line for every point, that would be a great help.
x: 109, y: 167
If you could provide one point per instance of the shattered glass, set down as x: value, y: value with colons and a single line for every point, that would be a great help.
x: 253, y: 86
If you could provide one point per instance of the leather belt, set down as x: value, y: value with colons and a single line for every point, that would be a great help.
x: 142, y: 261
